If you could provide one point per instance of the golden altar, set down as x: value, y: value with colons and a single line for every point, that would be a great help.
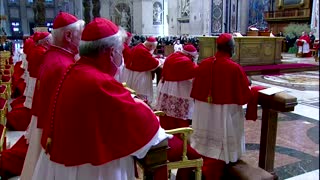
x: 250, y: 50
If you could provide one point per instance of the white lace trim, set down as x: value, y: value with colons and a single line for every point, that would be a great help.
x: 141, y: 82
x: 181, y: 108
x: 218, y: 131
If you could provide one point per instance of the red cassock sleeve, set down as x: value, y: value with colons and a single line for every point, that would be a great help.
x: 55, y: 63
x: 126, y: 54
x: 18, y: 118
x: 306, y: 38
x: 178, y: 67
x: 28, y: 45
x: 142, y: 60
x: 17, y: 71
x: 35, y: 58
x: 221, y: 80
x: 11, y: 160
x: 96, y: 120
x: 36, y: 99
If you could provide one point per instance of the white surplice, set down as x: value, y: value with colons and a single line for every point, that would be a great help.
x: 218, y: 131
x: 174, y: 99
x: 33, y: 137
x: 141, y: 82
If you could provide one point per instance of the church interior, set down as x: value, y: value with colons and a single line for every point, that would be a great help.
x: 269, y: 45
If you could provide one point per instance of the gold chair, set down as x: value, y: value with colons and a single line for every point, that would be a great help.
x: 3, y: 91
x: 6, y: 80
x: 4, y: 58
x: 133, y: 92
x: 185, y: 163
x: 3, y: 137
x: 156, y: 157
x: 3, y: 112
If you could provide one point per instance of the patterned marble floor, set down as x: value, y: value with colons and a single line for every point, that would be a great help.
x: 297, y: 145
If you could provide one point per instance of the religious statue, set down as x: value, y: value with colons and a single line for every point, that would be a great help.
x: 123, y: 18
x: 157, y: 13
x: 185, y: 8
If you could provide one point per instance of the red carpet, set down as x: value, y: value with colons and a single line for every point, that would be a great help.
x: 279, y: 68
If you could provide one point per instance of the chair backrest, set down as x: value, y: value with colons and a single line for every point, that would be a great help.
x: 3, y: 131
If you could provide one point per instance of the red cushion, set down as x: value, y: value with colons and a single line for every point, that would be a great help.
x: 299, y: 43
x: 6, y: 72
x: 2, y: 88
x: 1, y: 129
x: 11, y: 60
x: 2, y: 103
x: 18, y: 88
x: 5, y: 78
x: 18, y: 118
x: 8, y: 66
x: 12, y: 159
x: 17, y: 101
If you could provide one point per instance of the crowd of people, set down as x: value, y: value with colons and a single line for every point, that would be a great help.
x: 168, y: 40
x: 84, y: 124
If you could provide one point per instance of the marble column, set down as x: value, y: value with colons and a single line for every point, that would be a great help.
x: 105, y: 8
x: 315, y: 18
x: 78, y: 9
x: 243, y: 15
x: 5, y: 21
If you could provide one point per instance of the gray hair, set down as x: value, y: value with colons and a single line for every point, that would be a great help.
x: 57, y: 34
x: 47, y: 39
x: 95, y: 48
x: 228, y: 47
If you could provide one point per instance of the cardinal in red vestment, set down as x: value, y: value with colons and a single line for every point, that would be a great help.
x: 66, y: 35
x: 303, y: 44
x: 90, y: 107
x: 138, y: 70
x: 174, y: 89
x: 220, y: 88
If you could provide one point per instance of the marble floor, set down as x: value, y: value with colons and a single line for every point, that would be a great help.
x: 297, y: 144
